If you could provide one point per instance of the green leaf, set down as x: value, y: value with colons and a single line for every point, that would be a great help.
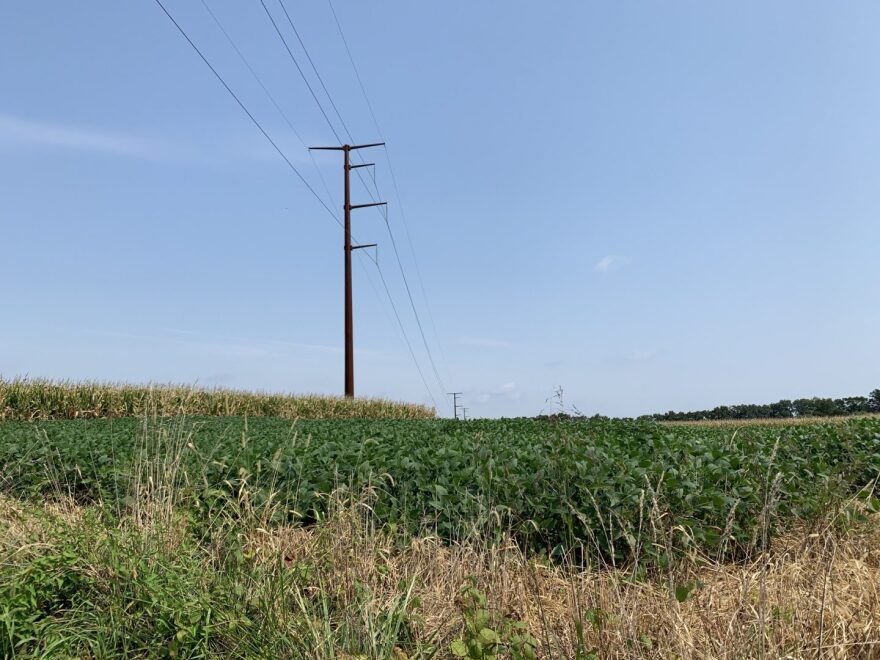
x: 489, y: 636
x: 459, y: 648
x: 682, y: 592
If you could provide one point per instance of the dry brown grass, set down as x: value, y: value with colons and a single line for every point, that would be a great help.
x: 788, y: 421
x: 814, y: 595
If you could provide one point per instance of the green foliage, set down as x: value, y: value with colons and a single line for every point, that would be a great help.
x: 32, y: 596
x: 784, y: 409
x: 480, y: 639
x: 92, y: 587
x: 557, y: 487
x: 683, y: 591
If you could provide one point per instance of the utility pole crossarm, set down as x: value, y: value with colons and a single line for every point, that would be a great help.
x: 354, y: 167
x: 363, y: 206
x: 455, y: 405
x: 348, y: 147
x: 365, y: 245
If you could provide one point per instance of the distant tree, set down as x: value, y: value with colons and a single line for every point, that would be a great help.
x: 781, y: 409
x: 784, y: 409
x: 827, y: 408
x: 804, y: 407
x: 854, y: 405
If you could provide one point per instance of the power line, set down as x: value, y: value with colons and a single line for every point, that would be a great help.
x: 326, y: 91
x: 345, y: 128
x: 413, y: 305
x: 400, y: 204
x: 286, y: 160
x: 270, y: 97
x: 315, y: 69
x: 306, y: 80
x: 299, y: 68
x: 390, y: 169
x: 246, y: 111
x: 408, y: 344
x: 354, y: 66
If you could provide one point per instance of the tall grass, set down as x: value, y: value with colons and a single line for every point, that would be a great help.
x: 77, y: 583
x: 161, y: 572
x: 41, y: 399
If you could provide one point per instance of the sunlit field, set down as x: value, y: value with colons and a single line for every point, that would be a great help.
x: 267, y: 537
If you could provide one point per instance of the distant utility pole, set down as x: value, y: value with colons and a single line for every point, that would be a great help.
x: 454, y: 396
x: 349, y: 322
x: 464, y: 413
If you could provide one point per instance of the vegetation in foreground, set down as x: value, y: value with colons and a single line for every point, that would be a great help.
x: 39, y: 399
x: 233, y: 537
x: 588, y: 487
x: 76, y: 582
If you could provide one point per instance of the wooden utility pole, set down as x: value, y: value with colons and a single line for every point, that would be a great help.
x: 348, y: 247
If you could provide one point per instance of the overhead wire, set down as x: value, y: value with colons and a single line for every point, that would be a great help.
x: 399, y: 201
x: 326, y: 91
x: 383, y: 212
x: 246, y: 111
x: 408, y: 344
x: 271, y: 98
x: 279, y: 150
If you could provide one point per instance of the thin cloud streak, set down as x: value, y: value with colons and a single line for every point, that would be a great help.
x: 611, y: 262
x: 234, y: 347
x: 18, y: 131
x: 507, y: 392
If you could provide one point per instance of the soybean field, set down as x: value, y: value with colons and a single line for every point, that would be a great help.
x: 621, y: 488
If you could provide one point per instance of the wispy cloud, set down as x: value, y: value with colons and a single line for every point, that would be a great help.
x: 484, y: 342
x: 22, y: 132
x: 611, y: 262
x: 506, y: 392
x: 232, y: 347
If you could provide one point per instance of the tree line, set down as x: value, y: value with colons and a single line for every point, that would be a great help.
x: 815, y: 407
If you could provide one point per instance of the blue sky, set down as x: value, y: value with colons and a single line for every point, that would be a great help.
x: 664, y: 205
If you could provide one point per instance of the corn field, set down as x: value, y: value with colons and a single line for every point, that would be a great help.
x: 41, y: 399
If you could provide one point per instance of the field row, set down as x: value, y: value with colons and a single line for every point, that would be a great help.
x: 622, y: 489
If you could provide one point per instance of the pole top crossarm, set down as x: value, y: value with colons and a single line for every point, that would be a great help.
x: 348, y: 147
x: 363, y: 206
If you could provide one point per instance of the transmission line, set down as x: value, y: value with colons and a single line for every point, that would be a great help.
x: 271, y: 98
x: 336, y: 135
x: 327, y: 92
x: 246, y: 111
x: 306, y: 80
x: 284, y: 156
x: 413, y: 305
x: 400, y: 204
x: 408, y: 344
